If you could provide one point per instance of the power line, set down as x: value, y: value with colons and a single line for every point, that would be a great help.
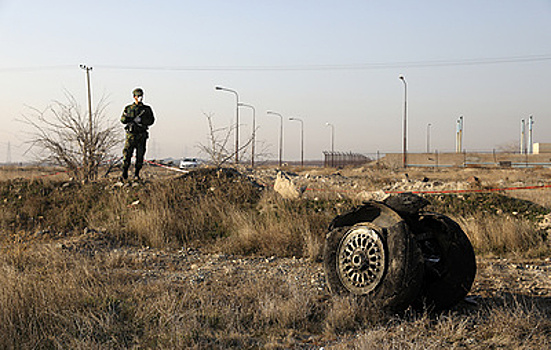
x: 329, y: 67
x: 309, y: 67
x: 36, y: 68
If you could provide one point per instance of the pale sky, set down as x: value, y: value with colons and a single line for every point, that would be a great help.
x: 322, y: 61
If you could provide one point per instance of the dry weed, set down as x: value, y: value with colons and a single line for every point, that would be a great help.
x: 490, y: 234
x: 345, y: 315
x: 48, y: 300
x: 58, y: 298
x: 521, y: 323
x: 281, y: 227
x: 539, y: 196
x: 54, y: 298
x: 14, y: 172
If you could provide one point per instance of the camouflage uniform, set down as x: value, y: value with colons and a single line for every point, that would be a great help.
x: 137, y: 117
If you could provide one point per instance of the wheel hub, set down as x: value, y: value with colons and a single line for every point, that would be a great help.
x: 361, y: 260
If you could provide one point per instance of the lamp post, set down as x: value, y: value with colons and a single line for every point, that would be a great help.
x: 254, y: 129
x: 428, y: 137
x: 522, y: 133
x: 332, y: 142
x: 530, y: 140
x: 301, y: 139
x: 404, y: 145
x: 332, y: 136
x: 280, y: 135
x: 236, y: 120
x: 459, y: 142
x: 461, y: 133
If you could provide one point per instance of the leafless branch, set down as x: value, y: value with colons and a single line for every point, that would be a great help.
x: 218, y: 139
x: 61, y: 134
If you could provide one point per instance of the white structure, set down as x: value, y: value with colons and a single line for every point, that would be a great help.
x: 542, y: 148
x: 459, y: 135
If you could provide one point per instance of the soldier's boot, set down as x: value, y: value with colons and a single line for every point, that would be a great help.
x: 124, y: 174
x: 137, y: 174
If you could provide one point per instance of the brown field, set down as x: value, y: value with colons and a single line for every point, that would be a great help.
x: 213, y: 260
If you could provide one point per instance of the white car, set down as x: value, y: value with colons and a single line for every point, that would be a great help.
x: 189, y: 163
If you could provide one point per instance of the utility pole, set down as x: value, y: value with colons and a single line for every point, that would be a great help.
x: 90, y: 143
x: 88, y: 69
x: 405, y: 143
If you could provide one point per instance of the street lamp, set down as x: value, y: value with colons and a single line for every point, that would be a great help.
x: 254, y: 129
x: 236, y: 120
x: 301, y: 139
x: 428, y: 137
x: 280, y: 135
x: 522, y: 133
x: 530, y: 140
x: 332, y: 142
x: 459, y: 142
x: 332, y: 136
x: 404, y: 146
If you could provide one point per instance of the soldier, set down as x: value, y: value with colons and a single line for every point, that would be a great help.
x: 137, y: 117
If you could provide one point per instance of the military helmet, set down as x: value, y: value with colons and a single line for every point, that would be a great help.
x: 137, y: 92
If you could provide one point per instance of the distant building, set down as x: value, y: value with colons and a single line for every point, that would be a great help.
x: 542, y: 148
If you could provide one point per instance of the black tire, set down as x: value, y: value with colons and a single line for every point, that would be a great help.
x: 371, y: 253
x: 450, y: 263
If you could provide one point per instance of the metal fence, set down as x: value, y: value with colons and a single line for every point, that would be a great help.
x: 339, y: 159
x: 465, y: 159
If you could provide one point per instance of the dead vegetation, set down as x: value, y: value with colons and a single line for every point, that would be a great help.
x: 64, y: 135
x: 214, y: 260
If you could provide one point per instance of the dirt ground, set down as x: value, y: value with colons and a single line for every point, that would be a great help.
x: 497, y: 279
x: 527, y: 277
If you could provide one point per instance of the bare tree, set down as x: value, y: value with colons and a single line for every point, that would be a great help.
x: 62, y: 135
x: 217, y: 147
x: 261, y: 154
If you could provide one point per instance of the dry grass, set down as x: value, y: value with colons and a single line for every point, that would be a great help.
x: 50, y: 299
x: 540, y: 196
x: 497, y: 224
x: 504, y: 235
x: 54, y: 298
x: 281, y: 227
x: 220, y: 209
x: 13, y: 172
x: 504, y: 322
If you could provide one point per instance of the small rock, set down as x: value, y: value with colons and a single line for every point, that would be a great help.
x: 285, y: 187
x: 473, y: 180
